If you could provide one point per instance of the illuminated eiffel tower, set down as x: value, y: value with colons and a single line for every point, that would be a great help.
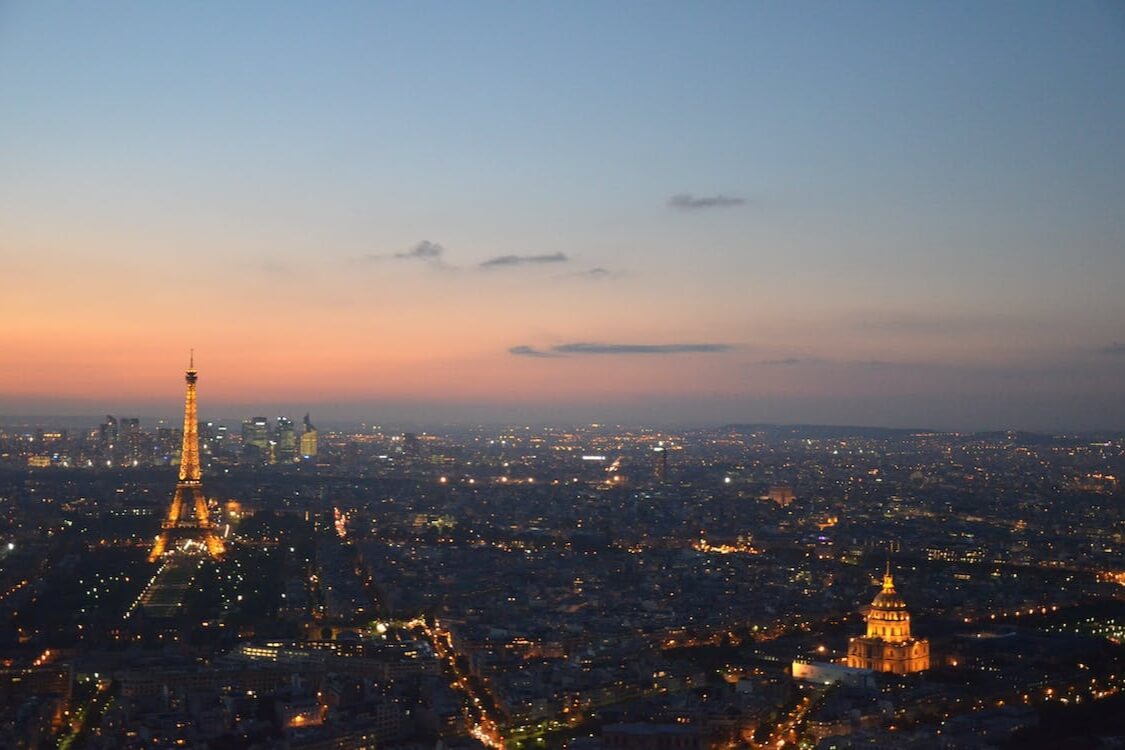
x: 188, y: 525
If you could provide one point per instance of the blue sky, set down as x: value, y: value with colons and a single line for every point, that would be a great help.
x: 935, y: 188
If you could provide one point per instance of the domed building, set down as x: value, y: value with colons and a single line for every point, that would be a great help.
x: 888, y: 645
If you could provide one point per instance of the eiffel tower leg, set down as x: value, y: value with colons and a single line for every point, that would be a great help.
x: 210, y: 538
x: 201, y: 516
x: 176, y: 509
x: 158, y: 547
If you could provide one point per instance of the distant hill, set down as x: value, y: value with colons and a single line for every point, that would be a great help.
x: 827, y: 432
x: 839, y: 432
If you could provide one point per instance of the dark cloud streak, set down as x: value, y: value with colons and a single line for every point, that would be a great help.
x: 588, y: 347
x: 501, y: 261
x: 424, y: 250
x: 523, y: 350
x: 595, y: 348
x: 593, y: 274
x: 691, y: 202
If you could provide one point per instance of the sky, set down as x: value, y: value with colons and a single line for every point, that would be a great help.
x: 900, y: 214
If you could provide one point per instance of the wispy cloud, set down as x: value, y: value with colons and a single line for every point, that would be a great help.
x: 501, y: 261
x: 593, y: 274
x: 1115, y: 349
x: 689, y: 201
x: 424, y: 250
x: 529, y: 351
x: 588, y: 347
x: 594, y: 348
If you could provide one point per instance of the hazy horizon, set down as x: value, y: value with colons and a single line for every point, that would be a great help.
x: 437, y: 417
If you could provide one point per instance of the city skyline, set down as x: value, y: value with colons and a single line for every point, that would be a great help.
x: 645, y: 214
x: 558, y: 588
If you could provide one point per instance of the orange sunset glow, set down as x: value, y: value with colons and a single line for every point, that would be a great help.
x: 540, y: 233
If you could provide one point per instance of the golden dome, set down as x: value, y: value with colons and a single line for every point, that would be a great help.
x: 888, y: 598
x: 888, y: 645
x: 887, y: 615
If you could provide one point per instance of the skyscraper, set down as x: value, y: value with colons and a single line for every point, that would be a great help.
x: 108, y: 432
x: 256, y: 438
x: 660, y: 463
x: 308, y: 439
x: 132, y: 437
x: 286, y: 440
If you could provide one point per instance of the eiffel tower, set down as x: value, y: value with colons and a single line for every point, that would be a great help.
x: 188, y: 525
